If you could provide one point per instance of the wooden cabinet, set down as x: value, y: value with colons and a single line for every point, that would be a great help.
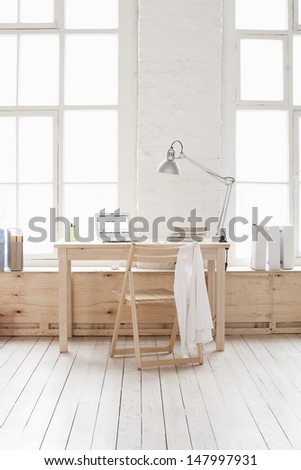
x: 256, y: 302
x: 263, y: 302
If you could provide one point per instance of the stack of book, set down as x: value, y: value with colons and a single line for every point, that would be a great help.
x: 187, y: 234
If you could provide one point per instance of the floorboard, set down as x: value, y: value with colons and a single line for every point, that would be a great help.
x: 153, y: 423
x: 250, y: 351
x: 107, y: 418
x: 247, y: 397
x: 263, y: 415
x: 57, y: 434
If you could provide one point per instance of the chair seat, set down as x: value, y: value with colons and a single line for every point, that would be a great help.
x: 147, y: 296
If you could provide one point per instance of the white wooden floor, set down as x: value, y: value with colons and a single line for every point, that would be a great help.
x: 248, y: 397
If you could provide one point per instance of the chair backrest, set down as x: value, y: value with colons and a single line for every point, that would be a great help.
x: 153, y: 253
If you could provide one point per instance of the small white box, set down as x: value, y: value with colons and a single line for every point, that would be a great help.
x: 259, y: 253
x: 273, y: 248
x: 286, y: 246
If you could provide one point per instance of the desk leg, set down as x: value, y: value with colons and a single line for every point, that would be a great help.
x: 220, y: 301
x: 65, y: 319
x: 211, y: 286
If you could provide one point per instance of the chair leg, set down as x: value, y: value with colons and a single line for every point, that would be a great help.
x: 200, y: 352
x: 135, y: 322
x: 116, y: 327
x: 136, y: 335
x: 173, y: 336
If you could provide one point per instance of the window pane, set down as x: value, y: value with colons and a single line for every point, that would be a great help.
x: 35, y: 201
x: 297, y: 70
x: 261, y: 69
x: 299, y: 149
x: 8, y: 75
x: 299, y: 247
x: 8, y: 206
x: 91, y: 69
x: 7, y: 150
x: 270, y: 199
x: 91, y: 14
x: 8, y: 11
x: 35, y: 149
x: 261, y: 14
x: 39, y: 67
x: 90, y: 146
x: 36, y: 11
x: 31, y: 11
x: 262, y: 146
x: 84, y: 200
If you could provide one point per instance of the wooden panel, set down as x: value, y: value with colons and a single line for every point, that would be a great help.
x: 287, y: 297
x: 97, y: 254
x: 29, y: 302
x: 287, y: 302
x: 256, y: 302
x: 248, y: 297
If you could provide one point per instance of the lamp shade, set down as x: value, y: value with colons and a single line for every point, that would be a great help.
x: 169, y: 166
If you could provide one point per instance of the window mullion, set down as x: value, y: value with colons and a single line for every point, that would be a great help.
x: 293, y: 127
x: 17, y: 124
x: 237, y: 70
x: 56, y: 13
x: 17, y: 169
x: 295, y: 15
x: 60, y: 120
x: 17, y: 70
x: 293, y: 163
x: 295, y: 180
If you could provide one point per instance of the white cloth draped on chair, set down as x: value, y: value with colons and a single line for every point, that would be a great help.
x: 191, y: 297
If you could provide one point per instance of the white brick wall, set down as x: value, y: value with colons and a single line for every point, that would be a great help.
x: 179, y: 47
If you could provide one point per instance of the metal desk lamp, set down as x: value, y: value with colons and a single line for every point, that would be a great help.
x: 170, y: 166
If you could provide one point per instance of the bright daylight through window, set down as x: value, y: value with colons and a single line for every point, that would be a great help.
x: 58, y: 111
x: 265, y: 112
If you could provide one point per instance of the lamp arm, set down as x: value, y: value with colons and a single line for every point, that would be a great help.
x: 224, y: 210
x: 223, y: 179
x: 226, y: 180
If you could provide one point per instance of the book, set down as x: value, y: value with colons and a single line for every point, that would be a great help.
x: 187, y: 234
x: 286, y: 246
x: 259, y: 253
x: 273, y: 248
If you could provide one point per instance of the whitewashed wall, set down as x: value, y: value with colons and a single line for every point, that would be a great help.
x: 179, y: 65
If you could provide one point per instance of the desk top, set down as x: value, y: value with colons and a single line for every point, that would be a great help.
x: 100, y: 244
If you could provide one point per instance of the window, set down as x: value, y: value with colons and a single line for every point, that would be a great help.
x: 62, y: 119
x: 262, y: 109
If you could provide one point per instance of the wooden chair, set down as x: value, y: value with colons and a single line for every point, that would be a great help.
x: 132, y: 297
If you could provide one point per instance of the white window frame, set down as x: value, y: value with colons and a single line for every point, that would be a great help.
x: 251, y: 35
x: 127, y: 105
x: 297, y: 178
x: 21, y: 26
x: 232, y: 102
x: 297, y: 25
x: 40, y: 113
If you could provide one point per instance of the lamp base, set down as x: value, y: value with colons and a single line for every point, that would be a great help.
x: 221, y: 237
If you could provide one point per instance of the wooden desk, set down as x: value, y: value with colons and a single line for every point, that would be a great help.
x: 213, y: 253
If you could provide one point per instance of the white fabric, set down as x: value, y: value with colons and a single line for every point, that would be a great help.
x: 191, y: 297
